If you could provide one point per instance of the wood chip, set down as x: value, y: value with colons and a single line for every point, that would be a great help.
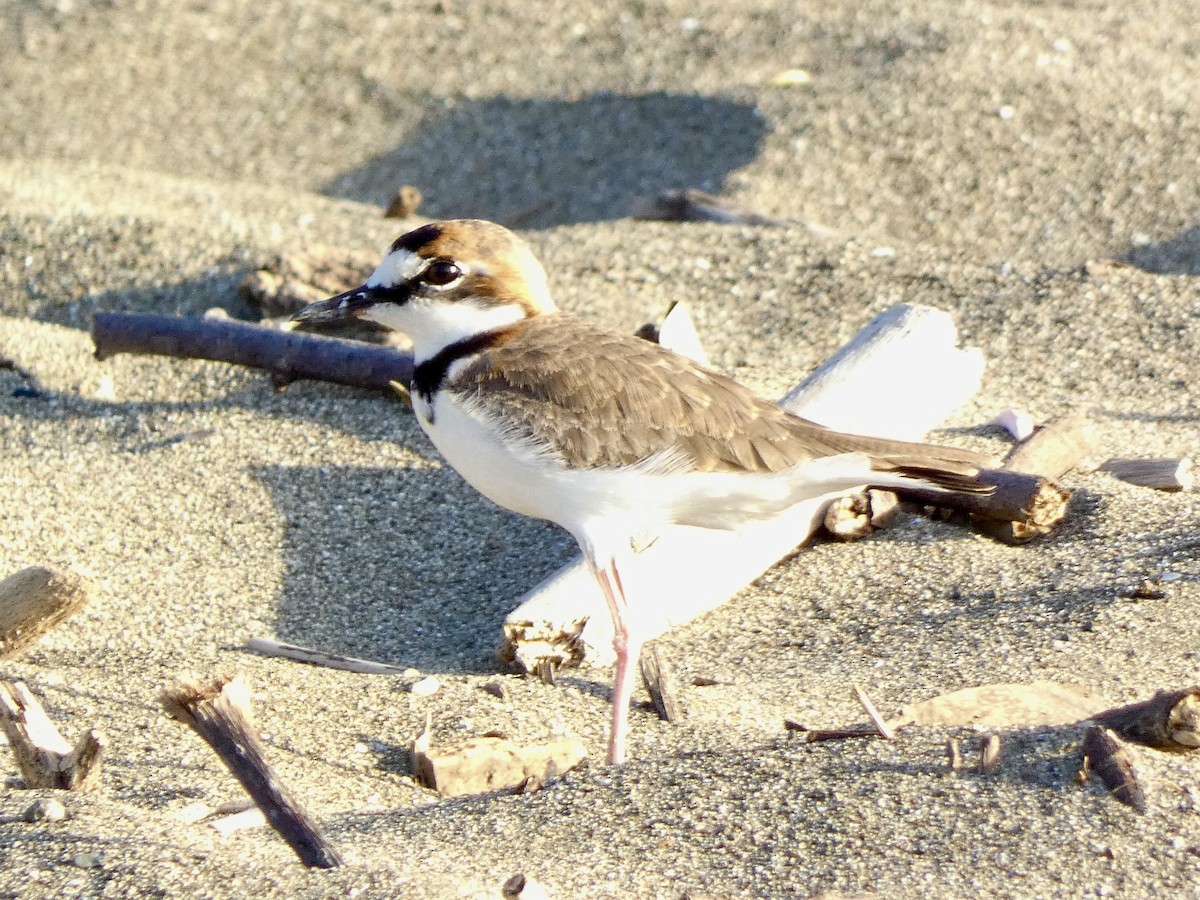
x: 954, y: 754
x: 404, y: 203
x: 485, y: 764
x: 1005, y: 706
x: 34, y: 600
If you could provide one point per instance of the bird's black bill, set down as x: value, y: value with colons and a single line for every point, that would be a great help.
x: 342, y: 308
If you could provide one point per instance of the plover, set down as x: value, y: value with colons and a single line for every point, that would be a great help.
x: 606, y: 434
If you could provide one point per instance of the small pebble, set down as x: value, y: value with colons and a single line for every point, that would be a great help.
x: 45, y: 810
x: 87, y: 860
x: 426, y: 686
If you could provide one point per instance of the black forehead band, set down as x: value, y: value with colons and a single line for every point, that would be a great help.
x: 418, y: 238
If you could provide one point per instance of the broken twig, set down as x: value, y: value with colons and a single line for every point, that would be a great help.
x: 219, y: 711
x: 881, y: 727
x: 1170, y: 720
x: 43, y: 756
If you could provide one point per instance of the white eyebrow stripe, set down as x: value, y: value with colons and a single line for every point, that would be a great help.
x: 396, y: 268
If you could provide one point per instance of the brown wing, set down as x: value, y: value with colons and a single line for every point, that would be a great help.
x: 600, y: 399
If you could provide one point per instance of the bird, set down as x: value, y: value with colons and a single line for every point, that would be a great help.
x: 606, y: 434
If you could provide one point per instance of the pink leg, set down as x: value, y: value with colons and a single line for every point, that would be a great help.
x: 628, y: 647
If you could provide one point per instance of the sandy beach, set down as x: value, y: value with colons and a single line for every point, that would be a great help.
x: 1028, y: 167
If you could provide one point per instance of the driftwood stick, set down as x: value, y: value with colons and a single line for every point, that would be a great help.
x: 271, y: 647
x: 44, y: 757
x: 219, y: 712
x: 1170, y: 720
x: 869, y: 386
x: 288, y: 355
x: 34, y: 600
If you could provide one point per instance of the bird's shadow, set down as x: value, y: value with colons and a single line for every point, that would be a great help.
x: 537, y: 163
x: 1179, y: 255
x: 400, y: 565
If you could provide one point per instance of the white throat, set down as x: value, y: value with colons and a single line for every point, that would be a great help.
x: 434, y: 325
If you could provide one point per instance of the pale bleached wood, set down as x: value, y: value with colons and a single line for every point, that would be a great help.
x: 902, y: 375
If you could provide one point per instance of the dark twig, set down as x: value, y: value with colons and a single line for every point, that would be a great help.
x: 1108, y: 760
x: 219, y: 712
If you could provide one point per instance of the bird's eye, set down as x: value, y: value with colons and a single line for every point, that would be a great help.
x: 441, y: 272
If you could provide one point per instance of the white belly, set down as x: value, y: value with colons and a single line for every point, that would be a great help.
x: 631, y: 500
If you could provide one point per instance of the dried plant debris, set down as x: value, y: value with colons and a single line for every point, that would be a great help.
x: 490, y: 763
x: 219, y: 711
x: 665, y: 692
x: 404, y: 202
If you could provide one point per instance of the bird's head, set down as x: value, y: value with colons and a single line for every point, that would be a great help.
x: 444, y: 282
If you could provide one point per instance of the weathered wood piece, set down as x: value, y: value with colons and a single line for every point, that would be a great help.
x: 1170, y: 720
x: 490, y: 763
x: 1164, y: 473
x: 869, y: 386
x: 1107, y: 759
x: 219, y: 711
x: 662, y: 684
x: 1004, y: 706
x: 287, y: 355
x: 34, y: 600
x: 43, y: 756
x: 271, y: 647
